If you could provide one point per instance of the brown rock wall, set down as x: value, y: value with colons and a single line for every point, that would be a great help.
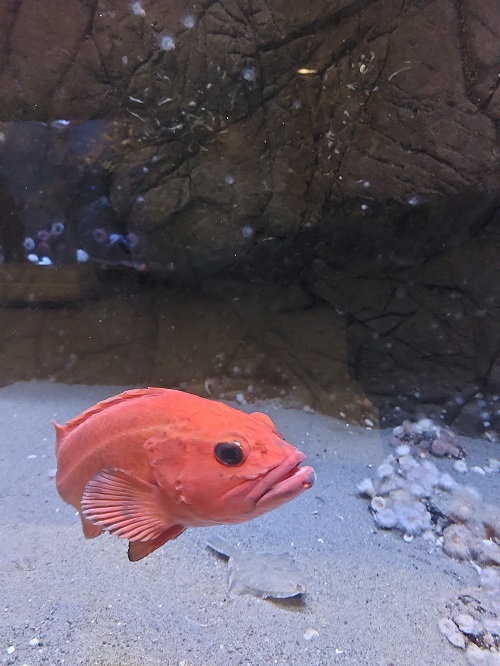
x: 351, y: 145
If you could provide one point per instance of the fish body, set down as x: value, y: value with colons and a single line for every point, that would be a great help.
x: 261, y: 574
x: 148, y: 463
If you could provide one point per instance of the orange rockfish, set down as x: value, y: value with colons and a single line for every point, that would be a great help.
x: 148, y: 463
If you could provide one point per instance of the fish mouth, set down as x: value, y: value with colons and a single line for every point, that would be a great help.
x: 283, y: 482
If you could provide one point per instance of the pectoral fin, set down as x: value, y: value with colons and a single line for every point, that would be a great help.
x: 139, y: 549
x: 90, y: 530
x: 126, y: 506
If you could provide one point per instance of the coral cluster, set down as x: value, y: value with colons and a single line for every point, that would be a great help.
x: 424, y: 436
x: 471, y: 621
x: 411, y: 495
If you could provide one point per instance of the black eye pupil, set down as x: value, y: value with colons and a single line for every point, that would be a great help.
x: 229, y: 453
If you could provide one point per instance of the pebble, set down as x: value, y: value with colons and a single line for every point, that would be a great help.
x: 240, y: 399
x: 34, y: 642
x: 449, y: 629
x: 460, y: 466
x: 478, y: 470
x: 310, y: 633
x: 467, y: 624
x: 11, y: 649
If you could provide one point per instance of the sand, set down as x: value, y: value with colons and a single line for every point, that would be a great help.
x: 372, y: 598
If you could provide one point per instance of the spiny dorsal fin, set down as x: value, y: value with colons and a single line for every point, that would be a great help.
x: 105, y: 404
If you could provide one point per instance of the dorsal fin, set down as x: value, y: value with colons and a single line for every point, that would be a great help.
x: 62, y: 430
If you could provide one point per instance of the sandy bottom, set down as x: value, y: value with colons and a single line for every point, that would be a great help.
x: 372, y: 598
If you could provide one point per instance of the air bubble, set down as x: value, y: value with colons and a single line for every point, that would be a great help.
x: 81, y: 256
x: 57, y: 228
x: 137, y: 9
x: 249, y: 73
x: 188, y: 21
x: 167, y: 43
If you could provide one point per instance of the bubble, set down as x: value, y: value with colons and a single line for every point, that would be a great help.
x: 414, y: 200
x: 124, y: 60
x: 33, y: 258
x: 296, y: 104
x: 137, y: 9
x: 58, y: 124
x: 249, y: 74
x: 229, y: 180
x: 115, y: 238
x: 81, y: 256
x: 364, y: 207
x: 29, y: 244
x: 57, y: 228
x: 188, y: 21
x: 247, y: 231
x: 139, y: 199
x: 167, y: 43
x: 100, y: 236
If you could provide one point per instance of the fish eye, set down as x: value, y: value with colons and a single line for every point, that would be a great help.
x: 229, y: 453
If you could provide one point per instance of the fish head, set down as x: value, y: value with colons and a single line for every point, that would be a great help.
x: 224, y: 474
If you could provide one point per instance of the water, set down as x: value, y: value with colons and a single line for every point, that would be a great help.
x: 294, y: 211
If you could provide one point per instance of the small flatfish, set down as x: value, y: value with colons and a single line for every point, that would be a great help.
x: 261, y: 574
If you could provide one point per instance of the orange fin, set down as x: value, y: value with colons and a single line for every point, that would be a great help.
x: 139, y: 549
x: 124, y: 505
x: 104, y: 404
x: 90, y: 530
x: 264, y: 418
x: 60, y: 432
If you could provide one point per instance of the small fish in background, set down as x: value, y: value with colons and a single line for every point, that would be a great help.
x: 261, y: 574
x: 148, y: 463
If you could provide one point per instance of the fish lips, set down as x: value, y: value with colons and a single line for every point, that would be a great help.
x: 283, y: 483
